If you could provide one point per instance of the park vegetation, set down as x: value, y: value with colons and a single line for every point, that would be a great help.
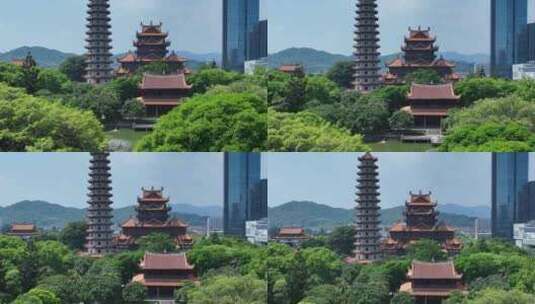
x: 46, y: 109
x: 49, y: 270
x: 494, y: 114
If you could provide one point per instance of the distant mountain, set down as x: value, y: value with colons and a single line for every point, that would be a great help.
x: 316, y: 61
x: 477, y: 211
x: 51, y: 58
x: 47, y: 215
x: 315, y: 216
x: 43, y: 56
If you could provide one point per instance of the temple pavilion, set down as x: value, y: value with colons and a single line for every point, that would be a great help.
x: 152, y: 217
x: 421, y: 222
x: 419, y: 53
x: 431, y: 283
x: 22, y: 230
x: 292, y: 236
x: 151, y: 46
x: 161, y: 93
x: 429, y: 104
x: 162, y: 274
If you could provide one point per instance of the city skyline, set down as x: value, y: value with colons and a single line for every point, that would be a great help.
x: 329, y: 178
x: 193, y: 25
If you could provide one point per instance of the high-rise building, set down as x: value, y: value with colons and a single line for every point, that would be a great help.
x: 243, y: 192
x: 367, y: 77
x: 509, y: 36
x: 367, y: 239
x: 99, y: 57
x: 99, y: 213
x: 244, y: 36
x: 509, y: 178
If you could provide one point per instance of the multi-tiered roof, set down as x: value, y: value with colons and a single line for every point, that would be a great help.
x: 151, y: 46
x: 367, y: 77
x: 98, y: 40
x: 421, y: 222
x: 419, y: 52
x: 99, y: 214
x: 152, y: 217
x: 367, y: 238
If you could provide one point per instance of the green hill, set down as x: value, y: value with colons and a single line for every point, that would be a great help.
x: 47, y: 216
x: 315, y: 216
x: 316, y: 61
x: 43, y: 56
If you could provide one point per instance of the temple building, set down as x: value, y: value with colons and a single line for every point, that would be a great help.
x: 431, y: 283
x: 429, y: 104
x: 152, y: 217
x: 367, y: 237
x: 367, y: 77
x: 419, y: 53
x: 162, y: 274
x: 24, y: 231
x: 292, y: 236
x: 151, y: 46
x: 99, y: 213
x: 161, y: 93
x: 98, y: 57
x: 420, y: 223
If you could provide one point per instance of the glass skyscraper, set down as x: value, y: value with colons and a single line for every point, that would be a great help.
x: 240, y: 24
x: 509, y: 36
x: 243, y: 191
x: 509, y: 179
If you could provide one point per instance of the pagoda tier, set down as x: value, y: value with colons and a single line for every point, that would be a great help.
x: 98, y: 40
x: 151, y: 46
x: 367, y: 245
x: 152, y: 217
x: 419, y: 52
x: 99, y: 213
x: 421, y: 222
x: 152, y: 206
x: 367, y: 77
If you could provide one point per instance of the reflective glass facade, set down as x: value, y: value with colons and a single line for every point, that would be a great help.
x: 509, y: 35
x: 241, y: 179
x: 240, y: 19
x: 509, y: 179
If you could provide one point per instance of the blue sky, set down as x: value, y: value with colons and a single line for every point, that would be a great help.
x: 195, y: 25
x: 330, y: 178
x: 61, y: 178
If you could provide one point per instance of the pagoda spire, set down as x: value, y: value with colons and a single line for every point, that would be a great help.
x: 99, y: 213
x: 367, y: 238
x: 367, y: 77
x: 99, y: 57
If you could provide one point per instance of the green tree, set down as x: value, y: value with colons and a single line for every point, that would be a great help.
x: 102, y: 283
x: 52, y: 255
x: 133, y: 108
x: 73, y: 235
x: 493, y: 296
x: 321, y: 90
x: 473, y: 89
x: 343, y: 74
x: 157, y: 242
x: 495, y: 137
x: 34, y: 124
x: 204, y: 79
x: 30, y: 74
x: 211, y: 122
x: 125, y: 88
x: 295, y: 97
x: 134, y: 293
x: 401, y: 120
x: 423, y: 76
x: 456, y: 297
x: 38, y: 295
x: 427, y: 251
x: 307, y: 132
x: 296, y: 278
x: 67, y: 288
x: 402, y: 298
x: 103, y: 101
x: 395, y: 97
x: 364, y: 114
x: 51, y: 80
x: 229, y: 290
x: 74, y: 68
x: 342, y: 240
